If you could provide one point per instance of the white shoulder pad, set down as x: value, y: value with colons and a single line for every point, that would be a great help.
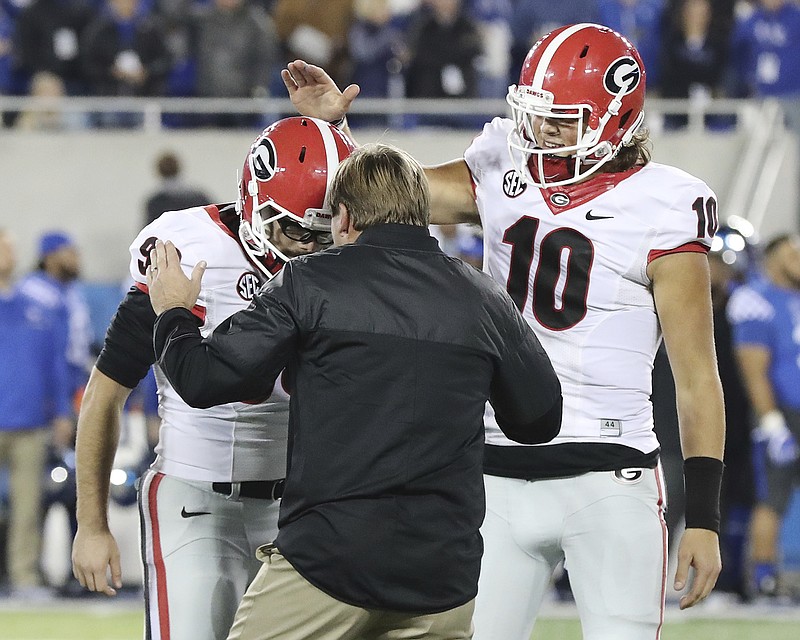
x: 687, y: 212
x: 489, y: 148
x: 189, y: 230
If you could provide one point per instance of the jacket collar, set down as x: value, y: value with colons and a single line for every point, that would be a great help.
x: 399, y: 236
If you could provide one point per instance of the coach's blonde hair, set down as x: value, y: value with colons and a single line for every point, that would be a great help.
x: 379, y: 183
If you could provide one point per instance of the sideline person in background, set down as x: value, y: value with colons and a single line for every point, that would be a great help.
x: 172, y: 193
x: 730, y: 261
x: 602, y: 252
x: 765, y: 315
x: 391, y: 349
x: 56, y: 281
x: 35, y: 409
x: 211, y: 496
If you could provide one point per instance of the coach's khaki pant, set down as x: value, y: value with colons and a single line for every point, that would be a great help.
x: 24, y: 452
x: 282, y: 605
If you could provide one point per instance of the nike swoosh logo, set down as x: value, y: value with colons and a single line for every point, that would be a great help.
x: 589, y: 216
x: 192, y: 514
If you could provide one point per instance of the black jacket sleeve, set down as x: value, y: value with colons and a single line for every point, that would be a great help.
x: 238, y: 362
x: 525, y: 392
x: 128, y: 346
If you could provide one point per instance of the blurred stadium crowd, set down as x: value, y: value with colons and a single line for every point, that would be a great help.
x: 694, y: 49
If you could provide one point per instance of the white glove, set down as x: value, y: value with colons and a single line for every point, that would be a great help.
x: 780, y: 443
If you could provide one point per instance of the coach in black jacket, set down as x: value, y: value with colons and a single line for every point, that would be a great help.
x: 391, y: 349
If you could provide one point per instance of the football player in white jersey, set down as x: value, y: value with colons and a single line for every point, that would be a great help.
x: 210, y: 497
x: 603, y: 252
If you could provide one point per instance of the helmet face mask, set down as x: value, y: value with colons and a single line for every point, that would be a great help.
x: 586, y: 73
x: 285, y: 179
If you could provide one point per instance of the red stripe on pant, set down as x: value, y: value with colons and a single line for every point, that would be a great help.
x: 158, y: 559
x: 665, y: 544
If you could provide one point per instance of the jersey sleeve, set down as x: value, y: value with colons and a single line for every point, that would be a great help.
x: 488, y: 148
x: 128, y: 346
x: 688, y: 221
x: 750, y: 315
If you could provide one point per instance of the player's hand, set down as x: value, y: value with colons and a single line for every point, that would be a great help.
x: 168, y: 286
x: 314, y: 93
x: 773, y: 433
x: 93, y: 554
x: 699, y: 549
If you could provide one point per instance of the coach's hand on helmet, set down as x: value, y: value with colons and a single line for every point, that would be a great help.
x: 166, y: 283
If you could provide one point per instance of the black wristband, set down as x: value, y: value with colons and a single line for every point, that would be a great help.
x: 340, y: 124
x: 702, y: 478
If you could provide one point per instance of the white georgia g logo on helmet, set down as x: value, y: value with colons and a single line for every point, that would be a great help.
x: 265, y: 160
x: 623, y: 74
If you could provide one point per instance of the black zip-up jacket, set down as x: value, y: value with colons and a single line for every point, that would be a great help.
x: 392, y: 349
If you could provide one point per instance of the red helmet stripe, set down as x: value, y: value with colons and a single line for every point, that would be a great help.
x: 551, y: 49
x: 331, y: 151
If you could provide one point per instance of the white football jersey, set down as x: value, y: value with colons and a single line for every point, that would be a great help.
x: 574, y: 259
x: 233, y: 442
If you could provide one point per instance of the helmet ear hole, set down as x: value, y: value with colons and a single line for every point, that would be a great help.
x: 623, y: 120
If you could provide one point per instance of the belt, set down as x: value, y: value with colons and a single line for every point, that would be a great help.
x: 262, y: 489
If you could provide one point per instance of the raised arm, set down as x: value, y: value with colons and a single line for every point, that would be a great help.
x: 314, y: 93
x: 94, y: 550
x: 452, y: 195
x: 682, y: 291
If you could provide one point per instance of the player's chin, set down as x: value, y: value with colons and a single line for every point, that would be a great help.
x: 304, y: 249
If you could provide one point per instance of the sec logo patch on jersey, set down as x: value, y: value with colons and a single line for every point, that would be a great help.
x: 513, y: 185
x: 247, y: 285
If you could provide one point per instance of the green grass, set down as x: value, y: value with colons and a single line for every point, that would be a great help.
x: 109, y: 625
x: 550, y: 629
x: 61, y: 625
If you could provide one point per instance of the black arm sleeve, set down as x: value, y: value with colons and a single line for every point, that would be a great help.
x: 238, y: 362
x: 525, y: 392
x: 128, y: 346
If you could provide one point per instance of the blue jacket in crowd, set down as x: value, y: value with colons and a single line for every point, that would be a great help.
x: 34, y: 377
x: 765, y: 52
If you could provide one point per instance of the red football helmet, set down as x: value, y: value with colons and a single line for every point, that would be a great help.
x: 286, y: 173
x: 585, y: 72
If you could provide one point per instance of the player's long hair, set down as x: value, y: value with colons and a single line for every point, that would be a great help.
x: 637, y: 153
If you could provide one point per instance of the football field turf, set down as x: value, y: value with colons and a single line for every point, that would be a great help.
x: 82, y: 620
